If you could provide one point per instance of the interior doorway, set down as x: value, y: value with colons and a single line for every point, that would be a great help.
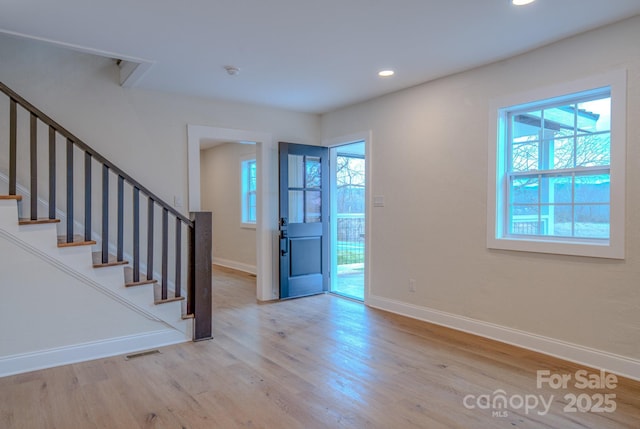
x: 199, y: 137
x: 348, y: 219
x: 229, y: 190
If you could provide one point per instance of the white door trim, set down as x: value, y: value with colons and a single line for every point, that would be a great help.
x: 367, y: 137
x: 267, y: 162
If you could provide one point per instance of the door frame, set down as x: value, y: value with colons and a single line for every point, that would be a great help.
x: 366, y: 137
x: 299, y: 285
x: 267, y: 202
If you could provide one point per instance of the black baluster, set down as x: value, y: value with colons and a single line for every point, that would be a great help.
x: 52, y: 172
x: 178, y: 282
x: 87, y: 196
x: 150, y: 239
x: 120, y: 252
x: 69, y: 191
x: 136, y: 234
x: 165, y: 251
x: 13, y: 142
x: 105, y: 214
x: 33, y: 158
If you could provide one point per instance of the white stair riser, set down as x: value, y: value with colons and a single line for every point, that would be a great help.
x: 79, y: 259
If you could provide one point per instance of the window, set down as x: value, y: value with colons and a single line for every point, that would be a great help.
x: 559, y: 171
x: 249, y: 191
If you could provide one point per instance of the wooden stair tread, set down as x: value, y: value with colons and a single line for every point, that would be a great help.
x: 78, y: 240
x: 128, y: 278
x: 11, y: 197
x: 165, y: 301
x: 188, y: 316
x: 111, y: 262
x: 42, y: 220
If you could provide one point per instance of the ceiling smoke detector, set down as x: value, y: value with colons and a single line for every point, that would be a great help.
x: 232, y: 71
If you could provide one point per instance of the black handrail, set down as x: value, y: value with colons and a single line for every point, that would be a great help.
x: 83, y: 146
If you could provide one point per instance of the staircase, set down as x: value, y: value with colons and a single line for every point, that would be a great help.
x: 127, y: 241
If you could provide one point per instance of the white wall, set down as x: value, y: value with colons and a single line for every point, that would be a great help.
x: 143, y: 132
x: 233, y: 244
x: 44, y: 308
x: 429, y: 160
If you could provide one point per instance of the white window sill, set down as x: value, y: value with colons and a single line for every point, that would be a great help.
x: 246, y: 225
x: 589, y: 248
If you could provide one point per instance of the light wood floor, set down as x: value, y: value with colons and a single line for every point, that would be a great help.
x: 318, y: 362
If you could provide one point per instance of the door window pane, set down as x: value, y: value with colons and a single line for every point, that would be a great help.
x: 296, y: 171
x: 314, y: 206
x: 296, y: 206
x: 313, y: 172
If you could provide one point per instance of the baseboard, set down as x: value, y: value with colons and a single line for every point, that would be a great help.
x: 624, y: 366
x: 251, y: 269
x: 26, y: 362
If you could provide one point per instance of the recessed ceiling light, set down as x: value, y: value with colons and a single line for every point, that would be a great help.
x: 386, y: 73
x: 521, y: 2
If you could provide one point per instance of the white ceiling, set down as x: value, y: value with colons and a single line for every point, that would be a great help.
x: 305, y: 55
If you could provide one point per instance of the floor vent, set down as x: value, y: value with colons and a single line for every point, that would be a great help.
x: 141, y: 354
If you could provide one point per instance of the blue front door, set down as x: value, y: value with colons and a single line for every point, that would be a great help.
x: 304, y: 220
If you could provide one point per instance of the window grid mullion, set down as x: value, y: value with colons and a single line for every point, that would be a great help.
x: 575, y: 139
x: 581, y: 171
x: 540, y: 232
x: 507, y: 226
x: 573, y: 205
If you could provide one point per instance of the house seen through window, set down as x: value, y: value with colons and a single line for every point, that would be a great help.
x: 558, y: 168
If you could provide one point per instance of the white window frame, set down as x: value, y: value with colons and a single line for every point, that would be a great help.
x: 614, y: 247
x: 244, y: 183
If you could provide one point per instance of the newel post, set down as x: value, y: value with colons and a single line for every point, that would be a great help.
x: 199, y: 297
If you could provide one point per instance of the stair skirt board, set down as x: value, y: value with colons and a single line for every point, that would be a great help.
x: 23, y: 193
x: 79, y: 241
x: 26, y: 362
x: 142, y: 305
